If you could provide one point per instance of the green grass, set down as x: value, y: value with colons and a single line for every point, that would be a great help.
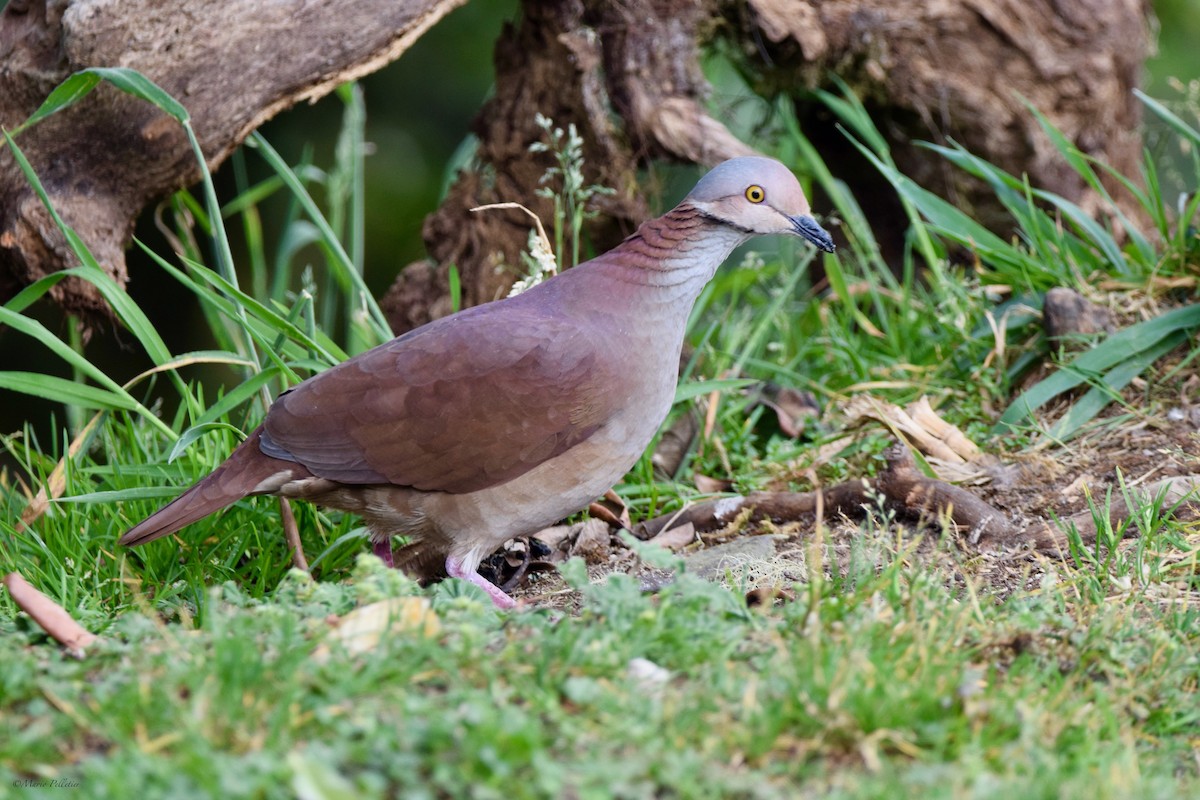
x: 907, y: 665
x: 888, y: 684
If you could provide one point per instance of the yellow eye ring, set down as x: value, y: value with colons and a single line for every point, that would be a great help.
x: 755, y: 194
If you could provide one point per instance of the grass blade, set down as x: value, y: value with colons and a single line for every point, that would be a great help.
x: 61, y: 390
x: 40, y: 333
x: 1126, y: 344
x: 135, y: 83
x: 65, y: 95
x: 1170, y: 117
x: 342, y: 264
x: 687, y: 391
x: 1107, y: 389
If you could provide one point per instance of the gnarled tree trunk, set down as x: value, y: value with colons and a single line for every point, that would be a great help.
x: 935, y: 71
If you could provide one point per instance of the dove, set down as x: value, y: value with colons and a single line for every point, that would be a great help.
x: 506, y: 417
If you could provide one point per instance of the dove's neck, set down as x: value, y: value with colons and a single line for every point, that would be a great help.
x: 671, y: 258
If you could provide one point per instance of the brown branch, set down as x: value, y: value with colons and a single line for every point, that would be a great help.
x: 901, y: 487
x: 915, y: 493
x: 847, y: 498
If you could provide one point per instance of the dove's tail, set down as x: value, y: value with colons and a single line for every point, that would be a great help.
x: 247, y: 471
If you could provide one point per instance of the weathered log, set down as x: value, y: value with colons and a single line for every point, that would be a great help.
x: 963, y: 71
x: 575, y: 62
x: 233, y: 64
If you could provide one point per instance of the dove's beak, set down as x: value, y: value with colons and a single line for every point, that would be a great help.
x: 807, y: 227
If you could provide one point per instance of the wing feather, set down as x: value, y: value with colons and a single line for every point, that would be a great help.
x: 461, y: 404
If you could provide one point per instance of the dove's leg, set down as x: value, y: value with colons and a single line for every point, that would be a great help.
x: 455, y: 569
x: 383, y: 549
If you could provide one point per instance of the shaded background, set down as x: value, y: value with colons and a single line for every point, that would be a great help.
x: 419, y: 111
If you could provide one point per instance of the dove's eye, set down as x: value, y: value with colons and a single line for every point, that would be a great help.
x: 755, y: 194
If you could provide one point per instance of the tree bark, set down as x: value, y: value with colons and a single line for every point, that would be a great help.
x: 963, y: 70
x: 575, y: 62
x: 935, y: 71
x: 626, y: 74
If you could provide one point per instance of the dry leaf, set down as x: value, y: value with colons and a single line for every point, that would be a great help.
x: 677, y: 537
x: 920, y: 424
x: 557, y: 539
x: 363, y: 628
x: 710, y: 485
x: 56, y: 483
x: 612, y: 510
x: 591, y: 541
x: 793, y: 408
x: 674, y: 443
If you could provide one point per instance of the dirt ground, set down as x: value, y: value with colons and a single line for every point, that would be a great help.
x: 1032, y: 489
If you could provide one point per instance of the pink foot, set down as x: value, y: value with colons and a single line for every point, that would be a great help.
x: 383, y: 549
x: 454, y: 568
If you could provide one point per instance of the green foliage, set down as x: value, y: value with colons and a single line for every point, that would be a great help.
x: 887, y: 667
x: 573, y: 194
x: 946, y: 334
x: 1104, y: 567
x: 1058, y: 243
x: 275, y: 337
x: 1108, y: 368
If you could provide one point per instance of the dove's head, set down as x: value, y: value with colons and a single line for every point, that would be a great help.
x: 758, y: 196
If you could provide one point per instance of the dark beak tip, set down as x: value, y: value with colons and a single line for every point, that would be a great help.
x: 807, y: 227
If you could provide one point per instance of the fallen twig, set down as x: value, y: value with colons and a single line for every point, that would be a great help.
x: 1181, y: 492
x: 292, y: 532
x: 48, y: 614
x: 901, y: 487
